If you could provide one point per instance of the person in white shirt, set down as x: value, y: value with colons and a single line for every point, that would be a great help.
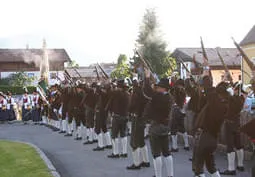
x: 10, y: 105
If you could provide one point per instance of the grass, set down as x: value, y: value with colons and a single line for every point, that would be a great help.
x: 21, y: 160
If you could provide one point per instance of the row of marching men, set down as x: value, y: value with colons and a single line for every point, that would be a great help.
x: 87, y: 108
x: 7, y: 105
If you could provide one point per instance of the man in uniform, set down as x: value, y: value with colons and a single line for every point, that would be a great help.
x: 207, y: 127
x: 157, y: 110
x: 139, y: 148
x: 90, y: 105
x: 119, y: 106
x: 101, y: 118
x: 232, y: 132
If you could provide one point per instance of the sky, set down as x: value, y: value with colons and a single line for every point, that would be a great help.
x: 99, y: 30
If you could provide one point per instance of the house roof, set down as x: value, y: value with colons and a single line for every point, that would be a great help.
x: 231, y: 56
x: 89, y: 71
x: 249, y: 38
x: 19, y: 55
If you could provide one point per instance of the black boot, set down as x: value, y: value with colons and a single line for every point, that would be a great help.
x: 133, y: 167
x: 88, y: 142
x: 113, y: 156
x: 228, y: 172
x: 108, y: 147
x: 78, y: 138
x: 240, y: 169
x: 145, y: 164
x: 98, y: 148
x: 68, y: 134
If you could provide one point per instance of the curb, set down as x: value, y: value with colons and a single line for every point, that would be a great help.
x: 46, y: 160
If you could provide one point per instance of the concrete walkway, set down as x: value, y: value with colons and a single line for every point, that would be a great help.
x: 73, y: 159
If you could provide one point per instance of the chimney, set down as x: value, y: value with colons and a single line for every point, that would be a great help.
x: 27, y: 46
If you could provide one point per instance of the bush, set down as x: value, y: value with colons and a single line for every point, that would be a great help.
x: 16, y: 90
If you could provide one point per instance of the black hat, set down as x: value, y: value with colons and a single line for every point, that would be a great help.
x: 206, y: 82
x: 94, y: 85
x: 164, y: 83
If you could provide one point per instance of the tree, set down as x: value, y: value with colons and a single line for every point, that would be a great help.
x: 122, y: 69
x: 73, y: 63
x: 20, y: 79
x: 151, y: 46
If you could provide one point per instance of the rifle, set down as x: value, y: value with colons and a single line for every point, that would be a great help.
x: 75, y: 69
x: 205, y: 58
x: 246, y: 58
x: 185, y: 67
x: 225, y: 66
x: 145, y: 64
x: 105, y: 74
x: 98, y: 78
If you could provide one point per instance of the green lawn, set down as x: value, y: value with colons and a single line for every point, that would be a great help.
x: 21, y: 160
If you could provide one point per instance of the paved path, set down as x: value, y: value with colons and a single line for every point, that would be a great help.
x: 72, y: 159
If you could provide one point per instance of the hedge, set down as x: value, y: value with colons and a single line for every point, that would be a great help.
x: 16, y: 90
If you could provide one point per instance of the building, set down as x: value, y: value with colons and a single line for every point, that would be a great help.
x: 88, y: 73
x: 248, y: 45
x: 231, y: 57
x: 28, y: 61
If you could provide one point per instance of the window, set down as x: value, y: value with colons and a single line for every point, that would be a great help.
x: 53, y: 75
x: 30, y: 75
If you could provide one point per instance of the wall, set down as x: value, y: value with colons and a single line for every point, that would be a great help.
x: 250, y: 52
x: 217, y: 75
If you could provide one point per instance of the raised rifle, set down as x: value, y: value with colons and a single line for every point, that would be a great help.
x: 98, y: 78
x: 227, y: 72
x: 146, y: 65
x: 205, y: 58
x: 245, y: 57
x: 105, y: 74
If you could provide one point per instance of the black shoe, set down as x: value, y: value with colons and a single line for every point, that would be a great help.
x: 108, y: 147
x: 186, y: 148
x: 55, y: 129
x: 227, y: 172
x: 68, y: 134
x: 190, y: 159
x: 123, y: 155
x: 98, y: 149
x: 113, y: 156
x: 88, y: 142
x: 145, y: 164
x: 95, y: 141
x: 133, y: 167
x: 62, y: 132
x: 240, y: 169
x: 174, y: 150
x: 78, y: 138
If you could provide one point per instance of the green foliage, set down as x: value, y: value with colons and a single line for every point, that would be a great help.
x: 16, y: 90
x: 73, y: 63
x: 20, y: 79
x: 122, y: 70
x: 151, y: 45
